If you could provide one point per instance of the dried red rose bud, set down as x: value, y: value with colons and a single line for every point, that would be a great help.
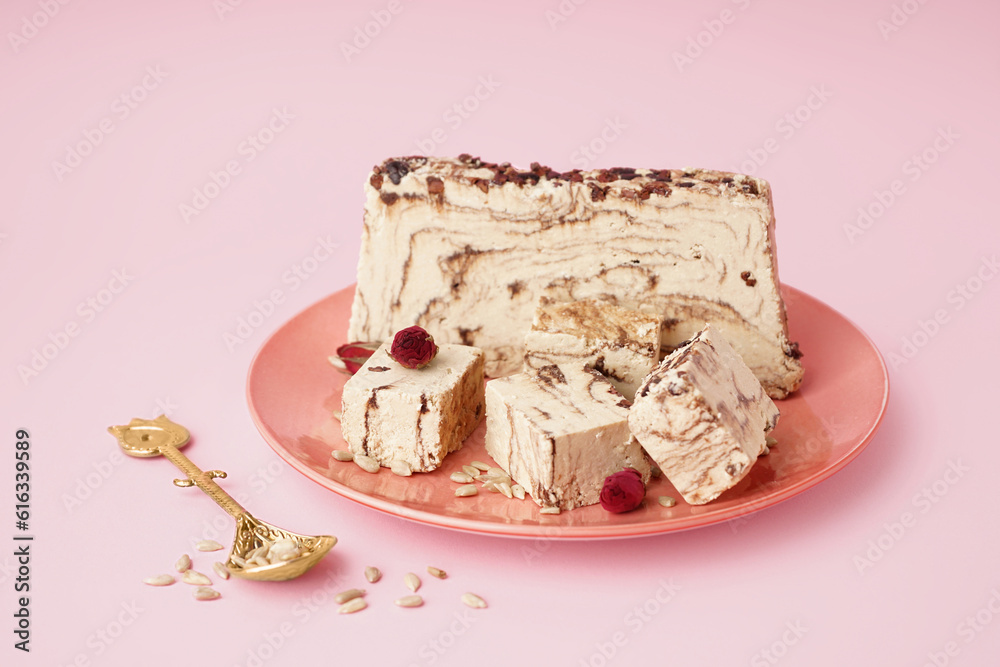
x: 351, y: 357
x: 622, y: 491
x: 413, y: 347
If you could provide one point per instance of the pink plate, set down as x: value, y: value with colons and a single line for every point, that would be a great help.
x: 292, y: 390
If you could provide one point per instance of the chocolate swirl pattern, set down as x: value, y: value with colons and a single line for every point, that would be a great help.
x: 465, y: 248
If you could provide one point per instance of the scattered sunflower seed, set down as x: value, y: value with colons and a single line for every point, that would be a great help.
x: 205, y: 593
x: 437, y: 572
x: 497, y: 472
x: 466, y: 490
x: 409, y: 601
x: 473, y: 600
x: 261, y: 561
x: 351, y: 606
x: 461, y: 477
x: 480, y: 465
x: 238, y: 561
x: 348, y: 595
x: 471, y: 471
x: 412, y: 581
x: 366, y: 463
x: 336, y: 414
x: 372, y: 574
x: 196, y: 578
x: 549, y: 510
x: 667, y: 501
x: 220, y: 570
x: 506, y: 489
x: 656, y: 472
x: 401, y: 468
x: 770, y: 441
x: 518, y: 491
x: 765, y: 451
x: 208, y: 545
x: 342, y: 455
x: 491, y: 487
x: 183, y: 564
x: 159, y: 580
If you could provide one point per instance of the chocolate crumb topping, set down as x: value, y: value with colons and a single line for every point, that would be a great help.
x: 748, y: 278
x: 793, y: 351
x: 435, y: 185
x: 597, y: 193
x: 515, y: 288
x: 389, y: 198
x: 396, y: 170
x: 482, y: 184
x: 376, y: 179
x: 378, y: 369
x: 685, y: 184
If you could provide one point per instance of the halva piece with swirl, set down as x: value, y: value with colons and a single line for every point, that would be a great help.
x: 464, y: 248
x: 703, y: 417
x: 392, y: 413
x: 559, y: 433
x: 621, y: 344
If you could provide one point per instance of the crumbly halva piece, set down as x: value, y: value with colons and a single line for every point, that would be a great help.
x: 621, y: 344
x: 559, y: 433
x: 703, y: 417
x: 392, y: 414
x: 464, y: 248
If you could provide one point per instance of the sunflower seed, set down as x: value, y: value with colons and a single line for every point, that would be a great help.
x: 412, y: 581
x: 261, y: 561
x: 372, y: 574
x: 482, y: 466
x: 348, y: 595
x: 466, y: 490
x: 770, y: 441
x: 351, y: 606
x: 337, y: 414
x: 159, y: 580
x: 238, y: 561
x: 491, y: 487
x: 667, y: 501
x: 549, y: 510
x: 208, y: 545
x: 205, y: 593
x: 656, y: 472
x: 401, y: 468
x: 473, y: 600
x: 220, y: 570
x: 259, y: 552
x: 437, y: 572
x: 505, y: 488
x: 410, y: 601
x: 183, y: 564
x: 283, y: 550
x: 342, y: 455
x: 471, y: 471
x: 497, y: 472
x: 461, y: 477
x: 765, y: 451
x: 518, y: 491
x: 366, y: 463
x: 196, y: 578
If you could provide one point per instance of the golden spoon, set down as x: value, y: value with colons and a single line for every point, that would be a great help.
x: 146, y: 438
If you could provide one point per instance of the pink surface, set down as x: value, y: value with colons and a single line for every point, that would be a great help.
x: 823, y: 427
x: 873, y: 121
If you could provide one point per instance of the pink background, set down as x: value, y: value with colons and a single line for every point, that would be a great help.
x: 103, y: 523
